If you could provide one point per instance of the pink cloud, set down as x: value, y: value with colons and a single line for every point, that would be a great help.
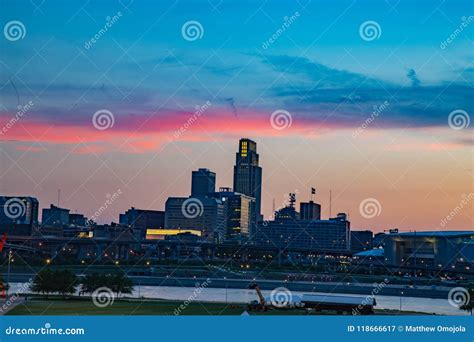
x: 142, y: 133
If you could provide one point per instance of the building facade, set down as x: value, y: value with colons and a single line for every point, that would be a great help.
x: 361, y: 240
x: 238, y: 213
x: 18, y: 215
x: 310, y: 211
x: 140, y: 220
x: 19, y: 210
x: 439, y: 249
x: 330, y: 235
x: 55, y: 216
x: 203, y: 182
x: 204, y: 214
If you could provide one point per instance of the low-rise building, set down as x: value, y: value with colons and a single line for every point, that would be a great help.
x: 332, y: 234
x: 439, y: 249
x: 361, y: 240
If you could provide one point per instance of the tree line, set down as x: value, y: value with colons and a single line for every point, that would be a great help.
x: 65, y: 282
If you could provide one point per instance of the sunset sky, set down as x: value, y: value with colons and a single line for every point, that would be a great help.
x: 321, y: 69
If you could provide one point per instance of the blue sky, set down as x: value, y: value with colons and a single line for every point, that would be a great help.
x: 322, y: 37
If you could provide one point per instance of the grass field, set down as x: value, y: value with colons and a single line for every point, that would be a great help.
x: 123, y: 307
x: 135, y: 307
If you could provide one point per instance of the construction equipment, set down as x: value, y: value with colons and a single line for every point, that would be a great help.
x: 260, y: 304
x: 356, y: 305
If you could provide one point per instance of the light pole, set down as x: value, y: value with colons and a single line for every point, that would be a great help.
x: 225, y: 278
x: 401, y: 294
x: 8, y: 272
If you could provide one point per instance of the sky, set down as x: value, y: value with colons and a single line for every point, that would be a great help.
x: 368, y: 100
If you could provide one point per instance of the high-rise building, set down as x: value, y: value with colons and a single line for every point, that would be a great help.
x: 204, y: 214
x: 203, y: 182
x: 248, y: 174
x: 310, y: 211
x: 18, y: 215
x: 55, y: 216
x: 237, y: 212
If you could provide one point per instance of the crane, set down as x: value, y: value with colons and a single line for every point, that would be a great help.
x: 261, y: 303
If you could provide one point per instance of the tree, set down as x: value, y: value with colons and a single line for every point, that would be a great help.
x: 47, y: 281
x: 118, y: 283
x: 65, y: 282
x: 92, y: 281
x: 43, y: 282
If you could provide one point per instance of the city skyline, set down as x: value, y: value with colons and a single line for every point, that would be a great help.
x: 369, y: 212
x: 363, y: 118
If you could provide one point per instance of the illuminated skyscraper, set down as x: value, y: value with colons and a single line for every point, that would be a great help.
x: 247, y: 173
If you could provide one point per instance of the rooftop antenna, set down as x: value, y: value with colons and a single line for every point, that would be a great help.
x: 330, y: 203
x: 59, y: 196
x: 273, y: 209
x: 292, y: 200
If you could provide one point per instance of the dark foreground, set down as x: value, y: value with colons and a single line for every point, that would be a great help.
x: 154, y: 307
